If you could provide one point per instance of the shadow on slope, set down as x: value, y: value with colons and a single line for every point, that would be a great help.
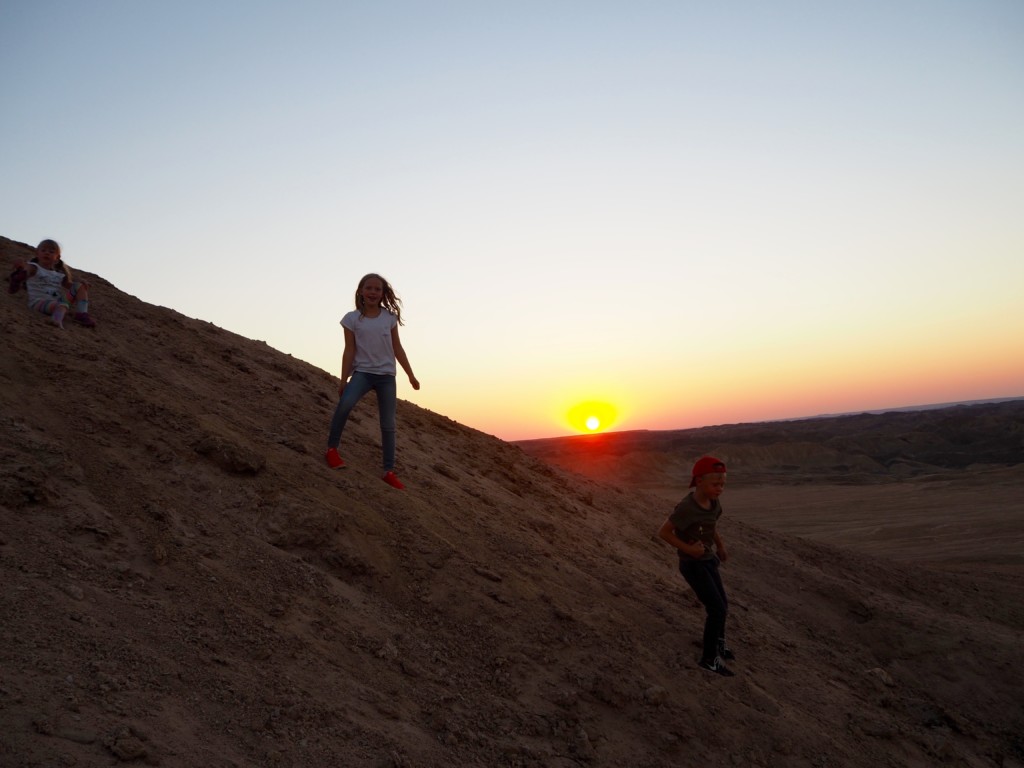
x: 185, y: 583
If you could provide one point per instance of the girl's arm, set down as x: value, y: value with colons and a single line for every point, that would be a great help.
x: 402, y: 358
x: 347, y: 358
x: 28, y: 266
x: 667, y: 533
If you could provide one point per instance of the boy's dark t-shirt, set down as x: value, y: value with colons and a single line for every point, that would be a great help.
x: 692, y: 523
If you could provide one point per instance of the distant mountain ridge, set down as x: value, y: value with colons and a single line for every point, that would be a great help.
x: 863, y: 447
x: 904, y: 408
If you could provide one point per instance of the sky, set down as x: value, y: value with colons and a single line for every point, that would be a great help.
x: 657, y: 214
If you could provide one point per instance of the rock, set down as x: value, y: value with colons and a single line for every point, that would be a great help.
x: 655, y: 695
x: 230, y: 457
x: 581, y: 747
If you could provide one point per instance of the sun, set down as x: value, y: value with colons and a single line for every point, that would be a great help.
x: 591, y: 416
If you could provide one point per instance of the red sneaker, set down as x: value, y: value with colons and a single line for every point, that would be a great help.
x: 334, y: 461
x: 392, y: 479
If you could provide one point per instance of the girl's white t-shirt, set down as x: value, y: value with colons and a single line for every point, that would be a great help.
x: 374, y: 351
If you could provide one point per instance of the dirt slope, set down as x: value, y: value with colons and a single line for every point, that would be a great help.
x: 186, y: 584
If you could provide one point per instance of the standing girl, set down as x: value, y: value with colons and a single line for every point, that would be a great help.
x: 51, y: 288
x: 371, y: 348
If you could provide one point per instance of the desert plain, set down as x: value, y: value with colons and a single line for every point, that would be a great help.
x: 937, y: 486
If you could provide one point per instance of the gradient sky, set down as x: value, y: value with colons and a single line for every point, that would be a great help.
x: 697, y: 213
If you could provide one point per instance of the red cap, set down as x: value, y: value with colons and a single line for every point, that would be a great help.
x: 706, y: 465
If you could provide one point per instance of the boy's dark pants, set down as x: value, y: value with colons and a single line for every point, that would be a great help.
x: 703, y: 578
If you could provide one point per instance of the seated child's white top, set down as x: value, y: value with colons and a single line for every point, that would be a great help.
x: 44, y: 284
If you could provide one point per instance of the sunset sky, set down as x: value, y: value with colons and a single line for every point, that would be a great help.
x: 691, y: 213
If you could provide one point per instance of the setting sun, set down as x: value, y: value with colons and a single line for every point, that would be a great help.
x: 591, y: 416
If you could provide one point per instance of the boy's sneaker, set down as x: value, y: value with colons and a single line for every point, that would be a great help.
x: 725, y: 652
x: 83, y: 318
x: 392, y: 479
x: 334, y: 461
x: 717, y: 666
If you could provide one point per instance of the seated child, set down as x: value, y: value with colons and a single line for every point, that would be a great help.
x: 51, y: 288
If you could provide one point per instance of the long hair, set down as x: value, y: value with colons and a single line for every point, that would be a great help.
x: 389, y: 299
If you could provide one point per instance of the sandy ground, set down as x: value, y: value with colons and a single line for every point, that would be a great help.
x: 186, y: 584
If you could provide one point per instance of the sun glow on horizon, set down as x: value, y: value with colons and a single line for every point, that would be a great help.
x: 591, y: 416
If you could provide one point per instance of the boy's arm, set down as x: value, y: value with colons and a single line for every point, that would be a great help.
x: 723, y: 555
x: 667, y: 533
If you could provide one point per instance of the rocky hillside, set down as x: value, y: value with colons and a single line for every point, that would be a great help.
x: 185, y: 583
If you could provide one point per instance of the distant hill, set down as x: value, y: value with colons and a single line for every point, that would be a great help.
x: 187, y: 584
x: 860, y: 448
x: 927, y: 407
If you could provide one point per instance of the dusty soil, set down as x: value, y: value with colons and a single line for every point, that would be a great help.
x: 187, y: 584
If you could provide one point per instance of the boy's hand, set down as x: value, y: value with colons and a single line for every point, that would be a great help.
x: 698, y: 549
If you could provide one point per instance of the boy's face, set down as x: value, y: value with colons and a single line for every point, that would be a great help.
x: 711, y: 485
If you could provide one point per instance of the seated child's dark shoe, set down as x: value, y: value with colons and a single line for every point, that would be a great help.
x: 18, y: 277
x: 83, y: 318
x: 717, y: 666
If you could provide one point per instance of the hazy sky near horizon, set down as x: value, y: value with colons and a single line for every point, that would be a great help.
x: 696, y: 213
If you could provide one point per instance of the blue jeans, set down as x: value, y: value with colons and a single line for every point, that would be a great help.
x: 387, y: 402
x: 705, y: 581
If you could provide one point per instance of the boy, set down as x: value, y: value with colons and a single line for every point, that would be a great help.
x: 692, y: 530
